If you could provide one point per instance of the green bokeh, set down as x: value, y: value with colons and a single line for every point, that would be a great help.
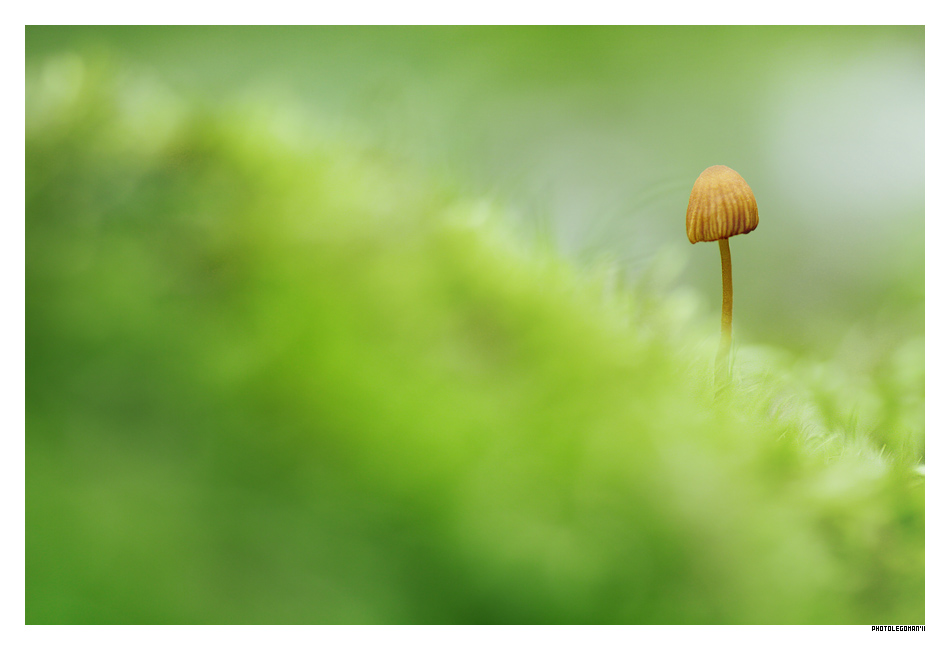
x: 596, y: 134
x: 288, y: 363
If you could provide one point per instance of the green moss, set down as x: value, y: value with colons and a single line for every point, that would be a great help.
x: 284, y: 380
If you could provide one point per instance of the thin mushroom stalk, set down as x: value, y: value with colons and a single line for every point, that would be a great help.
x: 721, y: 206
x: 725, y: 341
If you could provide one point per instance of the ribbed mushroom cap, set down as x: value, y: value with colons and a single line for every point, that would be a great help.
x: 721, y: 205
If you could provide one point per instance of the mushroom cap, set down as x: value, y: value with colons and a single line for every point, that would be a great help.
x: 721, y: 205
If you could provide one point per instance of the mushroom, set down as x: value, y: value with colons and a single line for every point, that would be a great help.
x: 721, y: 205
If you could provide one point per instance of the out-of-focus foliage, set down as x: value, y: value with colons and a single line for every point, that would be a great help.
x: 595, y: 135
x: 275, y: 377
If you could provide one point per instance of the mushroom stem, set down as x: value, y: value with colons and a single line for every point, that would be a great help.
x: 725, y: 342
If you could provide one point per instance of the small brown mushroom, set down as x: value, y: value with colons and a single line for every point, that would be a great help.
x: 721, y: 205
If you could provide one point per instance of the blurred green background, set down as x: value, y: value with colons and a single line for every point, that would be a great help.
x: 401, y: 325
x: 596, y: 135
